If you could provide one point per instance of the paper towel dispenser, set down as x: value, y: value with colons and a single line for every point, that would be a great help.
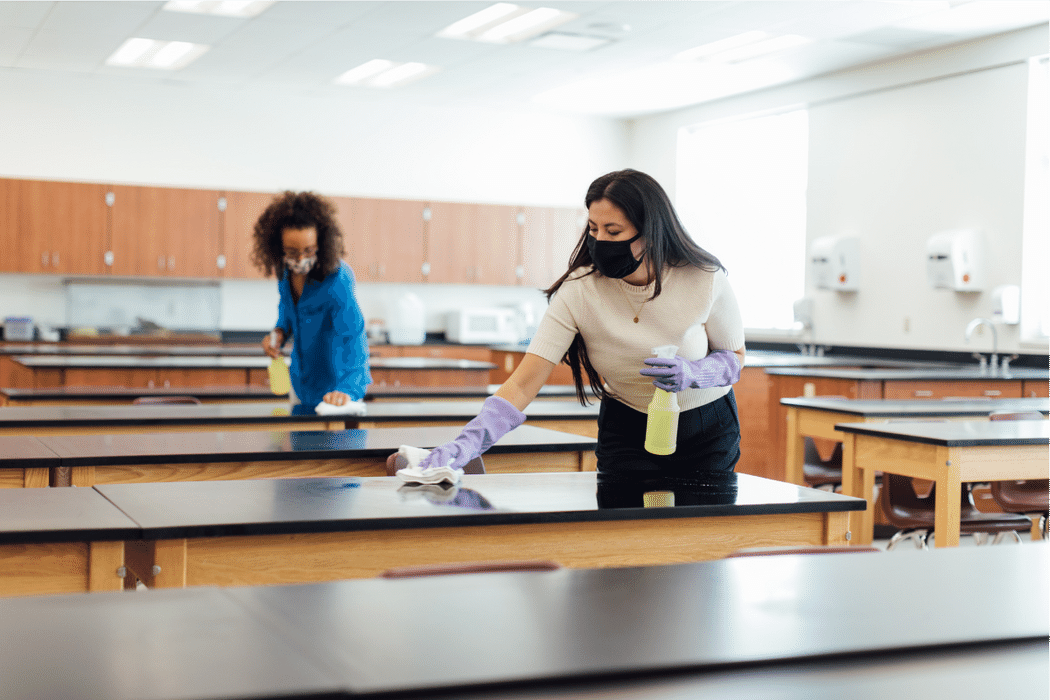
x: 835, y: 262
x: 955, y: 260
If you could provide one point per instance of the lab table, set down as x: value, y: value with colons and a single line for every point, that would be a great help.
x: 817, y: 417
x: 301, y: 530
x: 61, y: 540
x: 780, y: 627
x: 25, y: 462
x: 948, y: 454
x: 120, y: 395
x: 87, y: 460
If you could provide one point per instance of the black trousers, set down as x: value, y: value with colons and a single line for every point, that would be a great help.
x: 708, y: 443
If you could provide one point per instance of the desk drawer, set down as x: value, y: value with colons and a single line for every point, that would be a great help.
x: 991, y: 389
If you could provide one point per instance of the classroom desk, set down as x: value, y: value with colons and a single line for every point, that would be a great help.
x: 25, y: 462
x: 171, y: 418
x: 945, y: 453
x: 87, y: 460
x: 835, y: 626
x: 567, y: 416
x: 301, y: 530
x: 817, y: 417
x: 60, y: 541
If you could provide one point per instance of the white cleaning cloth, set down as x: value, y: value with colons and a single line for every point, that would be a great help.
x: 350, y: 408
x: 408, y: 459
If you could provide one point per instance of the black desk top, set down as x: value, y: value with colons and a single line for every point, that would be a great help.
x: 192, y: 644
x: 780, y: 627
x: 911, y: 407
x: 444, y: 632
x: 231, y: 362
x: 926, y: 373
x: 94, y: 393
x: 25, y: 452
x: 263, y: 412
x: 958, y: 433
x: 271, y: 506
x: 254, y: 446
x: 59, y: 515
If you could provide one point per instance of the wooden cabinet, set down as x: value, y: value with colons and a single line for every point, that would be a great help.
x: 548, y: 238
x: 238, y: 227
x: 167, y: 232
x: 383, y: 238
x: 507, y: 361
x: 1035, y: 388
x: 472, y: 243
x: 52, y: 227
x: 156, y: 378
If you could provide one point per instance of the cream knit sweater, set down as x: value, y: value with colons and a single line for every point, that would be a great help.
x: 696, y: 311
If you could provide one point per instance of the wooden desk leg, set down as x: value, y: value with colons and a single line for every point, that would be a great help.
x: 38, y: 478
x: 795, y: 457
x: 588, y: 462
x: 862, y: 524
x: 169, y: 564
x: 82, y: 476
x: 105, y: 560
x: 946, y: 508
x: 836, y: 526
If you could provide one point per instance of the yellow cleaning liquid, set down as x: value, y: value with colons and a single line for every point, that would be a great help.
x: 661, y: 428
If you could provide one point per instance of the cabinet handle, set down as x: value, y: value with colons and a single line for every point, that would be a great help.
x: 171, y: 263
x: 993, y: 392
x: 108, y: 258
x: 54, y: 258
x: 167, y: 383
x: 220, y: 262
x: 160, y: 262
x: 43, y: 259
x: 923, y: 393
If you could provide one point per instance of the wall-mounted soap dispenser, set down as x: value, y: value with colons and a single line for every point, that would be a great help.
x: 835, y: 262
x: 956, y: 260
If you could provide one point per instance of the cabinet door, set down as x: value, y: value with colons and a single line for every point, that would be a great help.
x: 161, y: 231
x: 944, y: 389
x: 242, y: 211
x: 496, y: 244
x: 9, y: 191
x: 384, y: 238
x: 450, y: 247
x: 54, y: 227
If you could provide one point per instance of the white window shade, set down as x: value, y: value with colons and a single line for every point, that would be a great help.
x: 741, y: 193
x: 1035, y: 239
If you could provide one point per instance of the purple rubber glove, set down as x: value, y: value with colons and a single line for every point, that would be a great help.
x: 497, y: 418
x: 720, y: 368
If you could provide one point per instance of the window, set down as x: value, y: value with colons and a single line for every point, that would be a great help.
x: 742, y: 196
x: 1035, y: 251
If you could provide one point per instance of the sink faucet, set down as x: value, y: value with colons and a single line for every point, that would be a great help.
x: 972, y: 326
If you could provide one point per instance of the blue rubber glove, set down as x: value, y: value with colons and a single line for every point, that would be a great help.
x: 720, y: 368
x: 497, y: 418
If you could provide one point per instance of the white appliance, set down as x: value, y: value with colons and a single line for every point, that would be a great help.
x: 835, y: 262
x: 405, y: 320
x: 955, y: 260
x: 482, y: 326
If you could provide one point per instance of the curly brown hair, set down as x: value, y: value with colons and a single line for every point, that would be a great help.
x: 297, y: 210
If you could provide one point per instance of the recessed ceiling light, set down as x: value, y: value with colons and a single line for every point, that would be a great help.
x: 504, y: 23
x: 380, y: 72
x: 224, y: 8
x: 568, y: 42
x: 152, y: 53
x: 743, y: 47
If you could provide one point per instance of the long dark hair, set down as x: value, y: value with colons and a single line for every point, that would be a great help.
x: 649, y: 209
x: 297, y: 210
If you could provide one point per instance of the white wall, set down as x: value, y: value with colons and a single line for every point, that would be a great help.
x: 116, y: 130
x: 899, y: 151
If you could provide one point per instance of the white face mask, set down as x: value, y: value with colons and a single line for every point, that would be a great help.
x: 301, y: 266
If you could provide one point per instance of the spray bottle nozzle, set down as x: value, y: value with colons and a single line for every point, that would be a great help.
x: 665, y: 351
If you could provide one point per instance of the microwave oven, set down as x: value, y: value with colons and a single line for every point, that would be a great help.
x: 481, y: 326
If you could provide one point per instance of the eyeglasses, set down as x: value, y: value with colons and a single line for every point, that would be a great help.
x: 300, y: 254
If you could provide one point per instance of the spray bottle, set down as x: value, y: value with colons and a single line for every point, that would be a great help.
x: 661, y: 429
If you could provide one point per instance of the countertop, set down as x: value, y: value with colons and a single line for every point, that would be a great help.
x: 923, y: 373
x: 959, y: 433
x: 231, y: 362
x: 904, y: 408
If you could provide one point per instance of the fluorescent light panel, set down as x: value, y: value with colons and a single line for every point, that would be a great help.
x: 504, y: 23
x: 152, y: 53
x: 743, y: 47
x: 380, y: 72
x: 223, y: 8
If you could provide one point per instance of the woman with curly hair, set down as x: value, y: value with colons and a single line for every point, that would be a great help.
x: 298, y: 240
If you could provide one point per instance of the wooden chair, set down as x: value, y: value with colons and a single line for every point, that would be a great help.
x: 471, y: 567
x: 820, y: 473
x: 1030, y: 498
x: 913, y: 514
x: 162, y: 400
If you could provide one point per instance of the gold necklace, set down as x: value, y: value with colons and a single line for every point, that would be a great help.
x: 630, y: 305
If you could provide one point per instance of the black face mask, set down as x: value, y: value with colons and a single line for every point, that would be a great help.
x: 613, y: 258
